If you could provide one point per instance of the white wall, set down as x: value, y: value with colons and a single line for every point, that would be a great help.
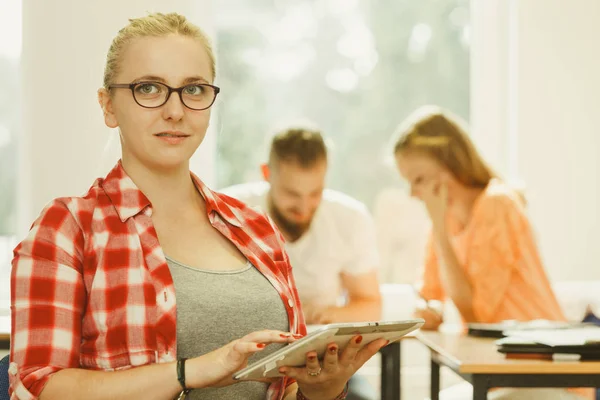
x: 533, y: 110
x: 559, y: 140
x: 64, y: 137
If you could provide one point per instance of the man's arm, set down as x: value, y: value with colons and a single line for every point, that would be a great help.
x: 364, y: 301
x: 364, y: 298
x: 360, y: 276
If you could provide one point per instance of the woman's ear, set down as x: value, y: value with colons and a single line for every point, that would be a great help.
x: 105, y: 102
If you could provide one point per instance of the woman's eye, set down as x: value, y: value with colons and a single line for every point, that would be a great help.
x: 194, y: 90
x: 148, y: 88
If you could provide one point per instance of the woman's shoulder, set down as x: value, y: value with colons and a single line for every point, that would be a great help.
x: 63, y: 212
x: 500, y: 194
x: 499, y: 200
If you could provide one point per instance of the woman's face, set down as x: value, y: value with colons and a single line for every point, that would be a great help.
x: 164, y: 137
x: 422, y: 173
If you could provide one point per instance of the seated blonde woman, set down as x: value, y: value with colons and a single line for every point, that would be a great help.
x: 482, y: 253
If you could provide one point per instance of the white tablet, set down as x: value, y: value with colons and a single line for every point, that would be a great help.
x: 294, y: 354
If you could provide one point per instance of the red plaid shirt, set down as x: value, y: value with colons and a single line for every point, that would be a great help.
x: 90, y: 286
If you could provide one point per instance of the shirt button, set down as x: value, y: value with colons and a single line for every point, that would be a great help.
x: 290, y: 303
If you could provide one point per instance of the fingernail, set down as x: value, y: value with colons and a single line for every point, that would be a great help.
x: 282, y: 370
x: 312, y: 358
x: 285, y: 335
x: 261, y: 345
x: 358, y: 339
x: 297, y: 335
x: 332, y: 349
x: 387, y: 342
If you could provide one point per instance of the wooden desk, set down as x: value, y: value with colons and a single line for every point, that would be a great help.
x: 477, y: 361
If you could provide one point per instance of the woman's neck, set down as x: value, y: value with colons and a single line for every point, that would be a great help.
x: 165, y: 188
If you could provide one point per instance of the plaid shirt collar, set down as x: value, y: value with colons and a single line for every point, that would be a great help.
x: 129, y: 200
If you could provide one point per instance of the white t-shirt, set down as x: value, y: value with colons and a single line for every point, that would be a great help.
x: 341, y: 238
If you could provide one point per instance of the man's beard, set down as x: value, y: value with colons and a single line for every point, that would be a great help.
x: 292, y: 230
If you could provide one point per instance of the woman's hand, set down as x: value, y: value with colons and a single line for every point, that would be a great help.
x: 435, y: 197
x: 217, y: 367
x: 325, y: 380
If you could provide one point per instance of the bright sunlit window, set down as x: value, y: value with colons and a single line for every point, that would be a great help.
x: 355, y: 68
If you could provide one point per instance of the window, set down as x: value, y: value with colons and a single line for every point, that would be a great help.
x: 10, y: 50
x: 356, y: 68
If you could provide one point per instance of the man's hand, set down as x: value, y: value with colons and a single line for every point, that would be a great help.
x: 432, y: 318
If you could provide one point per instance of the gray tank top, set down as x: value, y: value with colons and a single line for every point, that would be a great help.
x: 216, y: 307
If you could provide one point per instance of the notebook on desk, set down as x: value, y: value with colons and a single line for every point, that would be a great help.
x: 496, y: 330
x: 584, y: 342
x: 580, y: 336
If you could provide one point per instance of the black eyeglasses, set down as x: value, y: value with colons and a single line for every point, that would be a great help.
x: 148, y: 94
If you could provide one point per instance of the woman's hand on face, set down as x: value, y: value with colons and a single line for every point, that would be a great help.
x: 325, y: 380
x: 435, y: 197
x: 217, y: 367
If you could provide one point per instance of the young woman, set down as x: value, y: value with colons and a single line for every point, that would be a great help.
x: 482, y: 253
x: 112, y: 292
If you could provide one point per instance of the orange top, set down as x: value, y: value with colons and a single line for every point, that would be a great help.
x: 497, y: 249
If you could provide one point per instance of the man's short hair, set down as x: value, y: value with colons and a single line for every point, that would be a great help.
x: 304, y: 146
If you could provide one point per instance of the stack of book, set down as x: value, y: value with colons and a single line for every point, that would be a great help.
x: 563, y: 344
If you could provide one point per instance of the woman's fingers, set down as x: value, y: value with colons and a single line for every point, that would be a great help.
x: 312, y: 363
x: 312, y: 369
x: 351, y: 349
x: 430, y: 193
x: 247, y: 347
x: 443, y: 192
x: 369, y: 351
x: 256, y: 341
x: 334, y: 367
x: 330, y: 361
x: 270, y: 336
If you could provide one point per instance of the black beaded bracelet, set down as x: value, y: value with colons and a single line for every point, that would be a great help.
x: 341, y: 396
x: 181, y: 374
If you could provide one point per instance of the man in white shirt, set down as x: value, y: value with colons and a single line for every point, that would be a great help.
x: 330, y: 237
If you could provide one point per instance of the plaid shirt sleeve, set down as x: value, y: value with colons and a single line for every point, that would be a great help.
x: 47, y: 301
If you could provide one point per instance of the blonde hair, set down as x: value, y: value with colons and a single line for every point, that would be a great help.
x: 441, y: 135
x: 153, y: 25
